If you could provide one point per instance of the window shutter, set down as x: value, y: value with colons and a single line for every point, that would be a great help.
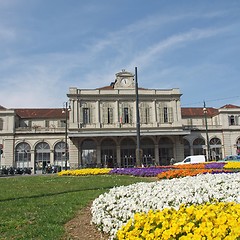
x: 142, y: 114
x: 148, y: 114
x: 122, y: 117
x: 236, y: 120
x: 111, y: 115
x: 170, y: 115
x: 130, y: 117
x: 160, y: 112
x: 161, y: 115
x: 105, y: 114
x: 120, y: 113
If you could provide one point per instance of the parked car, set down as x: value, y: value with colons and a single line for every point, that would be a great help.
x: 231, y: 158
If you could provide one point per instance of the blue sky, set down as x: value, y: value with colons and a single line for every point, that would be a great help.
x: 48, y: 46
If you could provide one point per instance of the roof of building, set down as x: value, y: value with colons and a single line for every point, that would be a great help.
x: 230, y: 106
x: 2, y: 108
x: 198, y: 112
x: 111, y: 87
x: 48, y: 113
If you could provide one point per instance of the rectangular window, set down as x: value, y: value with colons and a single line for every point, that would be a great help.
x: 147, y: 115
x: 61, y: 123
x: 125, y: 115
x: 29, y: 123
x: 231, y: 120
x: 1, y: 124
x: 86, y: 115
x: 47, y: 123
x: 165, y: 114
x: 189, y: 122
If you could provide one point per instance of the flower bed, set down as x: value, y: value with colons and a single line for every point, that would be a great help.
x: 160, y: 171
x: 141, y: 172
x: 176, y: 173
x: 110, y: 211
x: 232, y: 165
x: 85, y: 171
x: 208, y: 221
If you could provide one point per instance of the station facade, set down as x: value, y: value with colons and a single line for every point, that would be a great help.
x: 100, y: 128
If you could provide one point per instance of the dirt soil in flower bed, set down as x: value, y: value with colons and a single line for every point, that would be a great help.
x: 81, y: 228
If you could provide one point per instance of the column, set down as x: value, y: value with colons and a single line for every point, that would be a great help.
x: 98, y: 163
x: 119, y: 155
x: 156, y: 152
x: 73, y: 154
x: 154, y: 109
x: 97, y: 114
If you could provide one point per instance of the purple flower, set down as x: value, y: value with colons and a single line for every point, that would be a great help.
x: 215, y: 165
x: 140, y: 172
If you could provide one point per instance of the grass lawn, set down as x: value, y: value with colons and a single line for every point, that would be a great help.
x: 37, y: 207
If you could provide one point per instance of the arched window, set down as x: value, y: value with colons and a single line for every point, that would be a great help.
x: 22, y: 155
x: 165, y: 151
x: 198, y: 146
x: 42, y: 157
x: 108, y: 153
x: 60, y: 155
x: 215, y: 149
x: 128, y: 153
x: 89, y: 154
x: 147, y: 146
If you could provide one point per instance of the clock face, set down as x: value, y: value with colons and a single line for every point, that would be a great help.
x: 125, y: 82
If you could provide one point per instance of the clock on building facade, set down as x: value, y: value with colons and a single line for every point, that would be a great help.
x: 124, y: 80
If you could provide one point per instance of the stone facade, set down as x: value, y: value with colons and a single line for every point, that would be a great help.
x: 101, y: 129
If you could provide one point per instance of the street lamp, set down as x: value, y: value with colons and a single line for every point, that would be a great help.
x: 66, y: 109
x: 138, y: 150
x: 206, y: 125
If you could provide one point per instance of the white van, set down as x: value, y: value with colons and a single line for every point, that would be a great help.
x: 192, y: 159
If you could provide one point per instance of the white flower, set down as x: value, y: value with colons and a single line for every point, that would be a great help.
x: 111, y: 210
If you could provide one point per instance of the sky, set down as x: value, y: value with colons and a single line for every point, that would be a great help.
x: 48, y: 46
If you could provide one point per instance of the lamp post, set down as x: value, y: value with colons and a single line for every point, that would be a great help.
x: 66, y: 109
x: 206, y: 125
x: 138, y: 150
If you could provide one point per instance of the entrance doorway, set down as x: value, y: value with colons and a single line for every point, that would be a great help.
x: 42, y: 157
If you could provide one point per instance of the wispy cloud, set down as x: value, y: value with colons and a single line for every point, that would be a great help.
x: 38, y: 65
x: 7, y: 34
x: 145, y: 58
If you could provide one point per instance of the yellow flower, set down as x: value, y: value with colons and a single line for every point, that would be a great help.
x: 209, y: 221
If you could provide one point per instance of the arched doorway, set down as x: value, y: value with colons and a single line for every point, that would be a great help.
x: 60, y: 156
x: 42, y: 157
x: 165, y: 151
x: 23, y: 155
x: 89, y: 154
x: 198, y: 146
x: 128, y: 153
x: 216, y: 149
x: 187, y: 148
x: 147, y: 145
x: 108, y: 153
